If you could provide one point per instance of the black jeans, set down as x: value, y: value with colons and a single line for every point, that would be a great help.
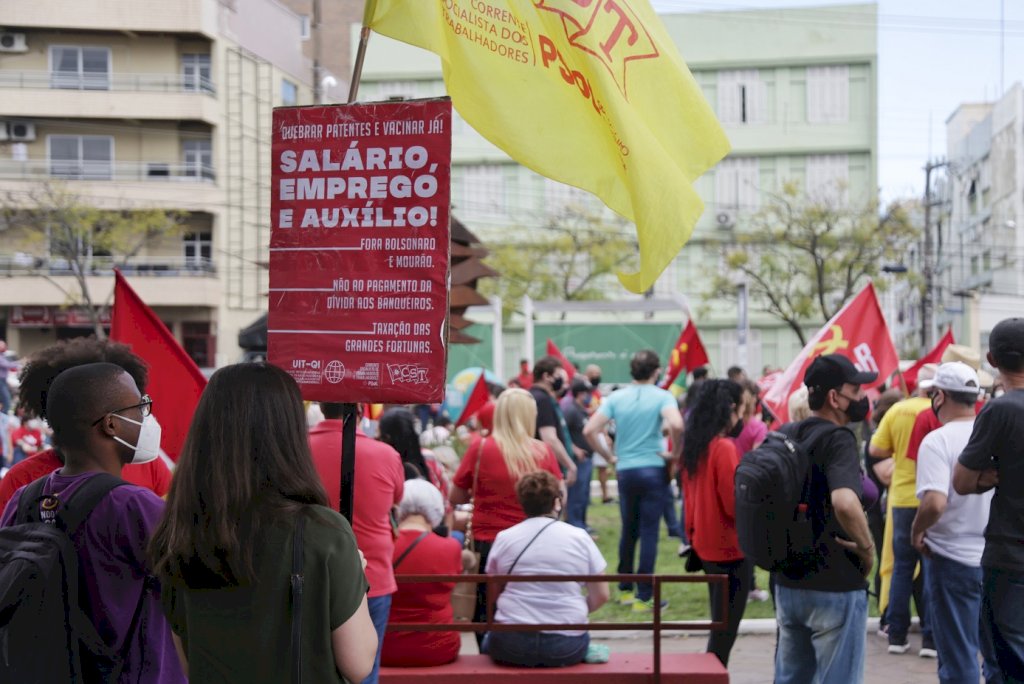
x: 741, y: 577
x: 480, y: 614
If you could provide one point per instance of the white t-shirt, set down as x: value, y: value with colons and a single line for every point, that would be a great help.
x: 560, y: 550
x: 960, y: 533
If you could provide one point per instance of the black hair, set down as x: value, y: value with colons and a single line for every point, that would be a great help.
x: 816, y: 397
x: 1006, y: 344
x: 700, y: 373
x: 734, y: 372
x: 332, y: 410
x: 962, y: 398
x: 46, y: 364
x: 580, y: 386
x: 397, y: 428
x: 77, y: 398
x: 712, y: 413
x: 643, y: 364
x: 692, y: 391
x: 245, y: 463
x: 545, y: 366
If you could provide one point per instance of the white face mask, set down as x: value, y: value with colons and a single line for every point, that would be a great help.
x: 148, y: 447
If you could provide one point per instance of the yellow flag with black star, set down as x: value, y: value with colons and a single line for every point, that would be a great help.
x: 592, y: 93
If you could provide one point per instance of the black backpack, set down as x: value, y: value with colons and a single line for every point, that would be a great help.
x: 44, y: 634
x: 772, y: 483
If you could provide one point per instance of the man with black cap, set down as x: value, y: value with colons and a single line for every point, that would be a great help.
x: 994, y: 457
x: 821, y: 603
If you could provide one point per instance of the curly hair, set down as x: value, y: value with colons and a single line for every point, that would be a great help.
x: 716, y: 401
x: 46, y: 364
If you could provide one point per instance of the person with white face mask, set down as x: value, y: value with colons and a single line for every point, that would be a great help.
x: 101, y: 422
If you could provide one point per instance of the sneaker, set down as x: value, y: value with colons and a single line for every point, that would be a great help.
x: 641, y: 606
x: 928, y: 648
x: 898, y: 646
x: 626, y: 598
x: 759, y: 595
x: 684, y: 549
x: 883, y: 631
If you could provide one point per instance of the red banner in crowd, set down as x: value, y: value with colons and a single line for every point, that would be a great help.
x: 554, y: 351
x: 175, y: 381
x: 859, y: 332
x: 934, y: 356
x: 359, y: 250
x: 476, y: 400
x: 688, y: 354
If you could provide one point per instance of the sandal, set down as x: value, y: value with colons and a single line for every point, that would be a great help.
x: 597, y: 653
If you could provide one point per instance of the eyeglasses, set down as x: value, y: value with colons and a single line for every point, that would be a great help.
x: 146, y: 406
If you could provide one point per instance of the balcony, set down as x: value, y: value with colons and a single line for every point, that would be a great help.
x: 155, y: 95
x: 182, y: 16
x: 149, y: 171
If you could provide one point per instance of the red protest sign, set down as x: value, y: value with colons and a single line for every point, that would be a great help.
x: 359, y: 250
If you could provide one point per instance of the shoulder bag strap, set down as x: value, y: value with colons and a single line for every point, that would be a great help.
x: 296, y: 591
x: 77, y: 508
x: 408, y: 550
x: 528, y: 545
x: 472, y: 493
x: 28, y: 503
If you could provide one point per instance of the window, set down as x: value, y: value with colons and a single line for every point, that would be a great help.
x: 81, y: 157
x: 828, y: 94
x: 828, y: 176
x: 80, y: 68
x: 742, y: 97
x: 289, y: 93
x: 197, y: 158
x: 736, y: 184
x: 199, y: 342
x: 195, y: 73
x: 483, y: 190
x: 398, y: 90
x: 198, y: 249
x: 305, y: 27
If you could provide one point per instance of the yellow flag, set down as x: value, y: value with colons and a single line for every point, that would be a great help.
x: 592, y: 93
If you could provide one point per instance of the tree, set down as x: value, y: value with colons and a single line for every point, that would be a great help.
x: 68, y: 232
x: 573, y: 257
x: 804, y: 256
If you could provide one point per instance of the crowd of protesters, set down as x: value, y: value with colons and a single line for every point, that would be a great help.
x: 193, y: 575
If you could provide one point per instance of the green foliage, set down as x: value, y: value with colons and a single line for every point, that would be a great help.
x: 64, y: 227
x: 804, y: 257
x: 573, y: 257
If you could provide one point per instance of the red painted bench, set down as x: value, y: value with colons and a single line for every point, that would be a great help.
x: 622, y: 668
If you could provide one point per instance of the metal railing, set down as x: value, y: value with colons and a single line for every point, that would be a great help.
x: 21, y: 263
x: 656, y: 626
x: 158, y: 171
x: 129, y: 82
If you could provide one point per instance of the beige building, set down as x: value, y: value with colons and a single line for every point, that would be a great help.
x: 148, y: 104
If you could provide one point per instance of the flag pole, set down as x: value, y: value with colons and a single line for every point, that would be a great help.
x: 350, y: 416
x: 357, y: 68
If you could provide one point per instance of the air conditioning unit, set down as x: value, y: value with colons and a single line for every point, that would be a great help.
x: 725, y: 219
x: 20, y: 131
x: 13, y: 42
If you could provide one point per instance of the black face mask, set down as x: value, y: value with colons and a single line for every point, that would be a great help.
x: 594, y: 382
x: 858, y: 410
x: 936, y: 408
x: 737, y: 429
x: 557, y: 384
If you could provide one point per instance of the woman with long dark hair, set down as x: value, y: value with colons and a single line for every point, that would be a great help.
x: 224, y: 550
x: 709, y: 469
x: 397, y: 429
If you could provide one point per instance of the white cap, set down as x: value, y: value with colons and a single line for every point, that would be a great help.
x: 955, y: 376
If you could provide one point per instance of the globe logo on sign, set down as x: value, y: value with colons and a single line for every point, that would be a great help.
x: 334, y: 372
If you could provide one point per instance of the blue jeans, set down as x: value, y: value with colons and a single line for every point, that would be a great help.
x: 954, y: 590
x: 380, y: 608
x: 536, y: 649
x: 822, y: 636
x: 578, y: 496
x: 1002, y: 620
x: 905, y: 559
x: 641, y: 503
x: 675, y: 528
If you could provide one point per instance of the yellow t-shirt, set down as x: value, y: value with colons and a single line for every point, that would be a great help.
x: 893, y: 435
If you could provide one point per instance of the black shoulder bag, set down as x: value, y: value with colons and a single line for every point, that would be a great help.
x: 296, y: 591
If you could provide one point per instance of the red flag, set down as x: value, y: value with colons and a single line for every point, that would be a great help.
x: 859, y: 332
x: 553, y: 350
x: 175, y: 381
x: 688, y: 354
x: 476, y: 400
x: 934, y: 356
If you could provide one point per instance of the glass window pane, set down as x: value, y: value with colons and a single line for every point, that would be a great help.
x: 63, y: 147
x: 64, y: 65
x: 96, y: 148
x: 95, y: 68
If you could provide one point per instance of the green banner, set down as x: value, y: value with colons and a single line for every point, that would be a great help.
x: 463, y: 356
x: 609, y: 345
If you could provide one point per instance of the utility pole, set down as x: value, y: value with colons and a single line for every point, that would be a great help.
x: 318, y: 58
x: 929, y: 261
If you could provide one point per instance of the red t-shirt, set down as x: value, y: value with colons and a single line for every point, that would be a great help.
x: 925, y: 423
x: 154, y: 476
x: 495, y: 504
x: 423, y: 602
x: 380, y: 482
x: 31, y: 446
x: 711, y: 503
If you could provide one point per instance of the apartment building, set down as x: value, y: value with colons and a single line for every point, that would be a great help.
x: 979, y: 240
x: 795, y: 90
x: 149, y: 104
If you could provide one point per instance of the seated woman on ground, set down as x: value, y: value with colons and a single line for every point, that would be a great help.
x: 543, y: 545
x: 419, y: 551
